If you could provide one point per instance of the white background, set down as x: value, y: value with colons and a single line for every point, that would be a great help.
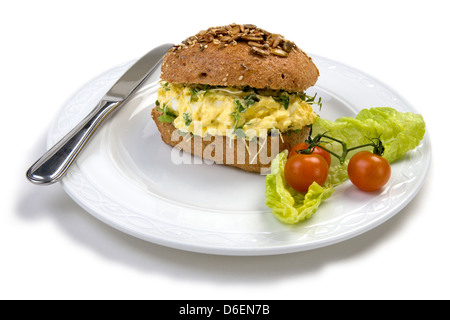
x: 50, y: 248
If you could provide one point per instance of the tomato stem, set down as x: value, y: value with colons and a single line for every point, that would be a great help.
x: 376, y: 143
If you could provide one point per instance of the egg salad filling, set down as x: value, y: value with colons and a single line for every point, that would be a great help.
x: 235, y: 112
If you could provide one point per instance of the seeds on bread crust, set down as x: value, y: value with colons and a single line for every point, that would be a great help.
x: 240, y: 55
x: 261, y: 42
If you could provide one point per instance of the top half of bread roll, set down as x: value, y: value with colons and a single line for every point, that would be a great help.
x: 240, y: 56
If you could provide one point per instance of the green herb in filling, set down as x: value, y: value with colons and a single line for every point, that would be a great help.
x: 167, y: 116
x: 187, y: 118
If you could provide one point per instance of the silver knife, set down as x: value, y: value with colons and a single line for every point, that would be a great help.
x: 53, y: 165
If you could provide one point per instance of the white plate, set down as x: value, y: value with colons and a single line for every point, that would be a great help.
x: 126, y: 177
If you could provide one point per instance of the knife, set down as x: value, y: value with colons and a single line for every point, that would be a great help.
x: 53, y: 165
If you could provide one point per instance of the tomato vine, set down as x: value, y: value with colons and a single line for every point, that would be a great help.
x: 317, y: 141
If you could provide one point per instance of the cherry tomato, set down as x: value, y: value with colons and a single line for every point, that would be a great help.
x: 316, y: 150
x: 368, y: 171
x: 301, y: 170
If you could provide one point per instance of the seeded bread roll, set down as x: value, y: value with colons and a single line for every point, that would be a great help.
x: 262, y: 66
x: 240, y: 63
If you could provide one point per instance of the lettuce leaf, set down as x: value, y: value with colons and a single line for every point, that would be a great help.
x: 399, y: 133
x: 288, y: 205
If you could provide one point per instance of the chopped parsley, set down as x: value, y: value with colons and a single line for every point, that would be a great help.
x: 283, y: 99
x: 237, y: 115
x: 239, y: 132
x: 167, y: 116
x: 311, y: 100
x: 251, y: 99
x: 194, y: 93
x: 239, y: 106
x: 187, y: 118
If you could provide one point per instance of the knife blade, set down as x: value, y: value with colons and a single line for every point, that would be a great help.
x: 54, y: 163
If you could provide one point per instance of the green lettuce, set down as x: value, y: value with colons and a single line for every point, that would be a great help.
x: 288, y: 205
x: 398, y: 131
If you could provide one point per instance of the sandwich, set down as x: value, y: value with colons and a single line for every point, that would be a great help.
x: 235, y: 95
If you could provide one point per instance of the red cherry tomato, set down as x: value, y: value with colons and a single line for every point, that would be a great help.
x: 315, y: 150
x: 368, y: 171
x: 301, y: 170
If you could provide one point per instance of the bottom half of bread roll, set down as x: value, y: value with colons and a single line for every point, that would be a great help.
x: 253, y: 155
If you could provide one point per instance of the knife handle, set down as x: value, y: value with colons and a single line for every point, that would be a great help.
x: 53, y: 165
